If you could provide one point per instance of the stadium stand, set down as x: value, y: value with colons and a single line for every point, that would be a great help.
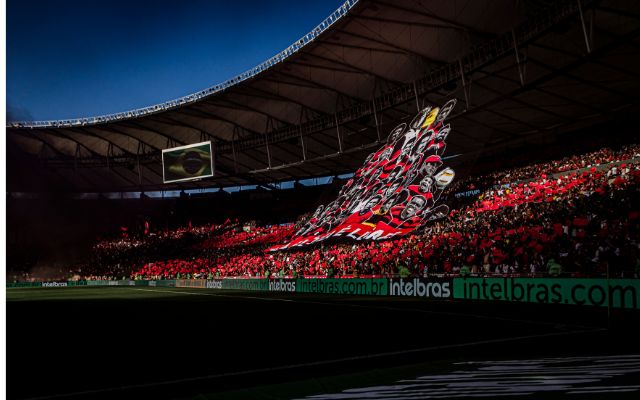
x: 579, y: 213
x: 254, y: 235
x: 281, y: 122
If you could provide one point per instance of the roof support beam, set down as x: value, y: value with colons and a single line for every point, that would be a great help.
x: 280, y: 147
x: 174, y: 122
x: 302, y: 168
x: 269, y: 95
x: 236, y: 163
x: 571, y: 76
x: 31, y: 135
x: 525, y: 104
x: 273, y: 96
x: 199, y: 113
x: 354, y: 69
x: 114, y: 129
x: 86, y: 132
x: 325, y: 67
x: 321, y: 86
x: 317, y: 85
x: 363, y: 48
x: 406, y: 23
x: 139, y: 126
x: 113, y: 144
x: 407, y: 51
x: 597, y: 62
x: 238, y: 106
x: 296, y: 84
x: 453, y: 24
x: 61, y: 134
x: 552, y: 74
x: 316, y: 137
x: 547, y: 92
x: 475, y: 121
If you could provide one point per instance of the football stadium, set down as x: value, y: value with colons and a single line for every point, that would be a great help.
x: 416, y: 199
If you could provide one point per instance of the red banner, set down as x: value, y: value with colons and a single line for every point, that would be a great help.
x: 394, y: 192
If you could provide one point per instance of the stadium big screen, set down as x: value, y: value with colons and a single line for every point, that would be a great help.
x: 186, y: 163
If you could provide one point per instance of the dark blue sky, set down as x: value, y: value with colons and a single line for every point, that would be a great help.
x: 80, y: 58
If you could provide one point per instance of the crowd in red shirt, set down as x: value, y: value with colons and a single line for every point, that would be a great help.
x: 252, y: 236
x: 573, y: 163
x: 586, y: 220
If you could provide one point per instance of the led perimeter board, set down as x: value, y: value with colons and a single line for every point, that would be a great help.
x: 187, y: 163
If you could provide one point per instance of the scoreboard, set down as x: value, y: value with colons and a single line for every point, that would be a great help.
x: 187, y: 163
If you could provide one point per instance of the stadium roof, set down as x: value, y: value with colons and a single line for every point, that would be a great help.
x: 522, y: 71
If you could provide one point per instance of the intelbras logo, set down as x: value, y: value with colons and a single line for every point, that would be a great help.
x: 420, y: 288
x: 282, y: 286
x: 214, y: 285
x: 54, y: 284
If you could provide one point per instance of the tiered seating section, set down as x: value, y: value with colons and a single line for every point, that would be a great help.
x: 581, y: 214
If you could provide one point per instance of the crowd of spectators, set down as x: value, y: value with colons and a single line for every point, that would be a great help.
x: 126, y: 241
x: 249, y: 236
x: 579, y: 216
x: 113, y: 258
x: 574, y: 163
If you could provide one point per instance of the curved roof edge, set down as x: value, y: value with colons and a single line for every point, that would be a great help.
x: 191, y: 98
